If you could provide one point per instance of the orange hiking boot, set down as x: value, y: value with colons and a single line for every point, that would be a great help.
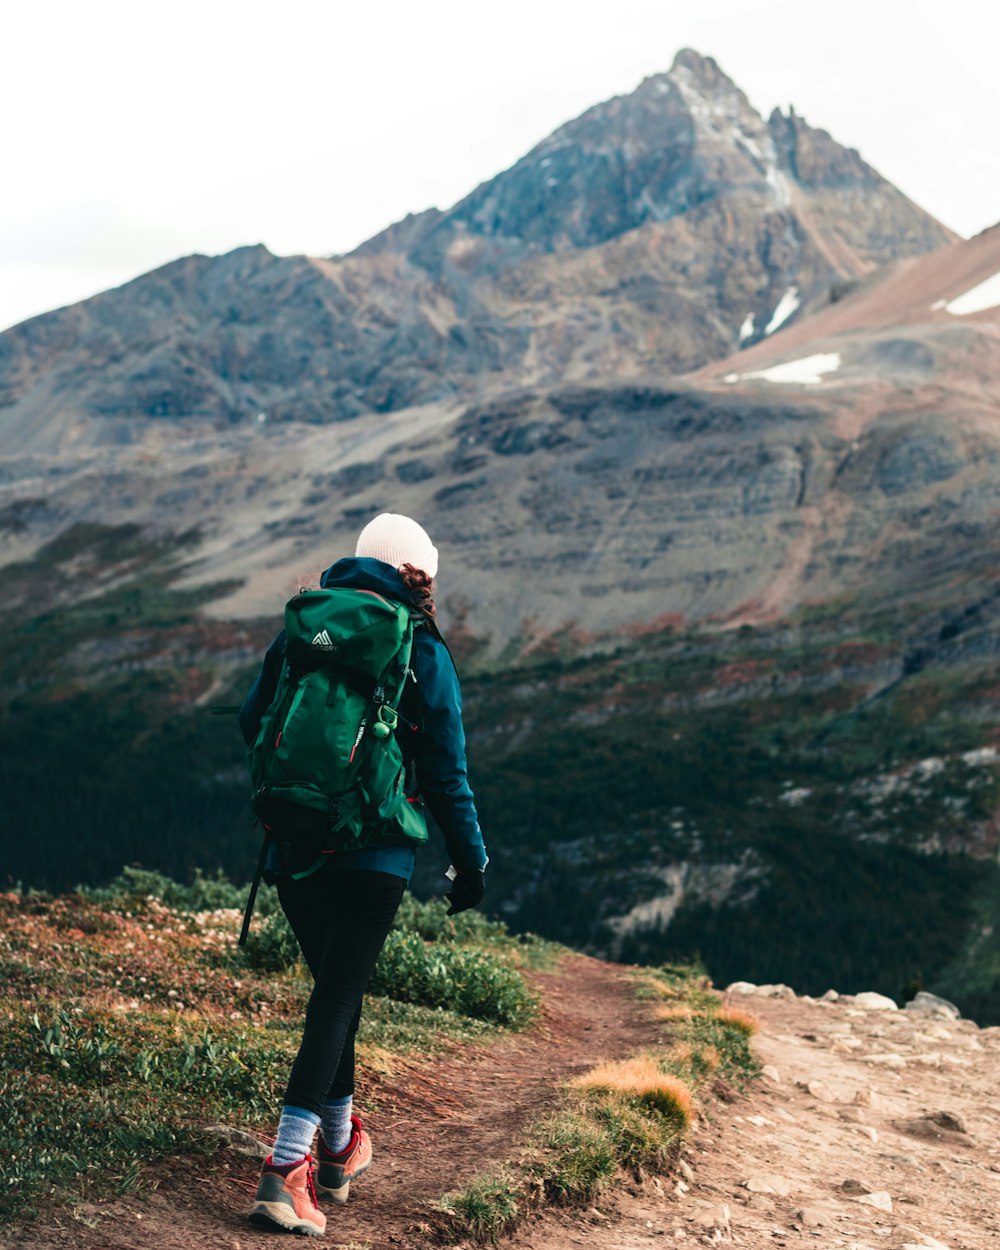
x: 286, y: 1199
x: 337, y: 1171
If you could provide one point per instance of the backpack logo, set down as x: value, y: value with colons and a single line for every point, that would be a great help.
x: 323, y: 641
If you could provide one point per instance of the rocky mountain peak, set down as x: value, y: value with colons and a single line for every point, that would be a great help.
x: 701, y: 71
x: 655, y: 232
x: 689, y: 66
x: 690, y: 59
x: 675, y: 141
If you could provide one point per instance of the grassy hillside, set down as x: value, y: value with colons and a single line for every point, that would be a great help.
x: 132, y: 1011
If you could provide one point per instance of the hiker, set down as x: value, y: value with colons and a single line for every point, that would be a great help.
x: 342, y: 912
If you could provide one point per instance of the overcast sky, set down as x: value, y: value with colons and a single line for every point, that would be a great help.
x: 133, y: 133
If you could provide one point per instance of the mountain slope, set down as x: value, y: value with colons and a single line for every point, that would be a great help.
x: 723, y: 497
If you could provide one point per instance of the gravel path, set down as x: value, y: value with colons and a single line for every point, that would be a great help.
x: 873, y: 1129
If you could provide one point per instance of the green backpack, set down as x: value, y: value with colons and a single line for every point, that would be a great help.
x: 326, y: 770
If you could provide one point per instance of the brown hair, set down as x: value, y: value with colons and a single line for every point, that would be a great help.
x: 419, y: 585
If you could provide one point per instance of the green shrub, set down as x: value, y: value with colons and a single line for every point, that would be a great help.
x: 273, y: 947
x: 81, y: 1049
x: 205, y: 893
x: 578, y: 1156
x: 430, y: 920
x: 468, y: 981
x: 639, y: 1138
x: 441, y: 972
x: 487, y: 1208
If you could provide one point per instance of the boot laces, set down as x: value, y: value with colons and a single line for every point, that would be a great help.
x: 310, y: 1184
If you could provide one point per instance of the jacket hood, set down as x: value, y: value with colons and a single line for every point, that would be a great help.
x: 366, y: 573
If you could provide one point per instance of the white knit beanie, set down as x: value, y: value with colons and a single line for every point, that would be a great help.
x: 398, y: 540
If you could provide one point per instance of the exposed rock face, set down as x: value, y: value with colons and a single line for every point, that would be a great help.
x: 725, y: 498
x: 657, y: 232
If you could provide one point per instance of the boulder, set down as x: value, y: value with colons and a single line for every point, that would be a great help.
x: 932, y: 1005
x: 741, y: 987
x: 871, y: 1001
x: 242, y: 1142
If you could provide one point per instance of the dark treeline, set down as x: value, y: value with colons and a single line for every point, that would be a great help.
x: 586, y: 802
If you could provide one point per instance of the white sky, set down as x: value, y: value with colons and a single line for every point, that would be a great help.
x: 132, y: 133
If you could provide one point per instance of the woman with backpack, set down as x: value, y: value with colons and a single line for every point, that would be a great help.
x: 341, y: 905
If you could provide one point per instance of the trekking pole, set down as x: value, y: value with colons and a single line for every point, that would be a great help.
x: 261, y: 861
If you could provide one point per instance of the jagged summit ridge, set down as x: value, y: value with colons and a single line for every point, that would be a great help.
x: 678, y: 139
x: 654, y: 233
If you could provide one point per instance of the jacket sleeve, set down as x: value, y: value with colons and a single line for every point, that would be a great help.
x: 262, y: 691
x: 442, y: 776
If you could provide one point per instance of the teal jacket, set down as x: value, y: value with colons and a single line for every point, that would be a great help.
x: 436, y: 750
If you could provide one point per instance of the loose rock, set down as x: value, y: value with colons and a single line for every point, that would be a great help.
x: 243, y: 1143
x: 948, y: 1120
x: 880, y: 1199
x: 871, y: 1001
x: 741, y: 987
x: 888, y: 1060
x: 812, y: 1217
x: 818, y: 1089
x: 937, y: 1126
x: 768, y: 1183
x: 775, y: 991
x: 931, y: 1004
x: 868, y: 1098
x: 711, y: 1219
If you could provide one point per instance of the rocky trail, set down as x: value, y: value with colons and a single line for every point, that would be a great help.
x: 871, y: 1128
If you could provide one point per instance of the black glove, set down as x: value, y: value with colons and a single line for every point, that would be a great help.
x: 466, y: 891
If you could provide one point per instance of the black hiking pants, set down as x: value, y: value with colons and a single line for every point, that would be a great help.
x: 341, y: 920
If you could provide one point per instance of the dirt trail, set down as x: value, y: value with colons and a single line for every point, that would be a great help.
x: 434, y: 1128
x: 873, y: 1076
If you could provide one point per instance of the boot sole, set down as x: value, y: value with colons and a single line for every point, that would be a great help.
x: 276, y: 1217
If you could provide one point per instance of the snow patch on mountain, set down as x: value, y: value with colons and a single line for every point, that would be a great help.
x: 788, y: 303
x: 977, y: 299
x: 778, y: 183
x: 807, y: 371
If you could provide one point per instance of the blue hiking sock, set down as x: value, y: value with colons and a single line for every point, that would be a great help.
x: 296, y: 1130
x: 336, y: 1127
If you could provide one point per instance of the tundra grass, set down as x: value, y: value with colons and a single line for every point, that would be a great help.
x: 624, y: 1116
